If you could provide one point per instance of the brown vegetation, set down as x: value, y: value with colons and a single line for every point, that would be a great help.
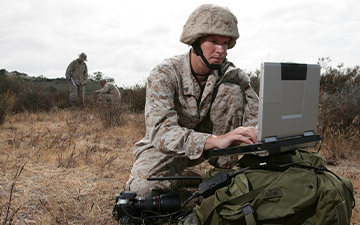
x: 61, y: 165
x: 73, y: 167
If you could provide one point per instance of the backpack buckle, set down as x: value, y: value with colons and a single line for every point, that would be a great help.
x: 247, y: 209
x: 248, y: 213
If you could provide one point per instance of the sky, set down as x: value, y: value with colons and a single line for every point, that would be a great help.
x: 126, y: 39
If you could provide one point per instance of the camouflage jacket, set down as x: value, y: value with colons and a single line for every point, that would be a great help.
x: 112, y: 90
x: 174, y: 107
x: 78, y: 71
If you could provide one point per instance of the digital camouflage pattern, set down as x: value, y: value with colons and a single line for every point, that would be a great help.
x: 179, y: 120
x: 210, y: 19
x: 79, y: 74
x: 109, y: 94
x: 78, y: 71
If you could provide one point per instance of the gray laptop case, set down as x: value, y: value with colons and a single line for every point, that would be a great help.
x: 288, y: 110
x: 288, y: 99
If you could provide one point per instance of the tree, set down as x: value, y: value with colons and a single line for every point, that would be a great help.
x: 98, y: 76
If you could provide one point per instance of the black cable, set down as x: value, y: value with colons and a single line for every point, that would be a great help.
x: 352, y: 196
x: 329, y: 171
x: 205, y: 192
x: 129, y: 215
x: 319, y: 147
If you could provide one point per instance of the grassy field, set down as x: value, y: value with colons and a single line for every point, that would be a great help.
x: 62, y: 84
x: 64, y: 167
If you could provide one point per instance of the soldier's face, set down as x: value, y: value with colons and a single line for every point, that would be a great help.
x: 214, y: 48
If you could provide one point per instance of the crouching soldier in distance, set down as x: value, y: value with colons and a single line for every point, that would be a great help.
x: 109, y: 94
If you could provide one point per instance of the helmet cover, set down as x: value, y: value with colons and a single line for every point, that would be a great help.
x: 209, y: 19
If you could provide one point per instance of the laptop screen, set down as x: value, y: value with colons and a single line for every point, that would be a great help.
x: 289, y: 98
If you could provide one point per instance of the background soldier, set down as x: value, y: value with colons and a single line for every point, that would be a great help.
x: 194, y: 102
x: 109, y: 94
x: 77, y: 74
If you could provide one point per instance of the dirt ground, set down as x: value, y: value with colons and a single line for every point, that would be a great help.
x: 64, y: 167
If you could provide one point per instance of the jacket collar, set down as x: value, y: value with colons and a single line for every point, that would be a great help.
x: 190, y: 85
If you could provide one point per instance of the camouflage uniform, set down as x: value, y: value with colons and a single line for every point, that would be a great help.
x: 109, y: 94
x: 79, y: 74
x: 179, y: 120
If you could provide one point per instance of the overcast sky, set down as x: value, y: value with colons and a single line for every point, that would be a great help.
x: 126, y: 39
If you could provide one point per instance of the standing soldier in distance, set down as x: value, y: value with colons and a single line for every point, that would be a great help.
x: 77, y: 74
x: 194, y: 102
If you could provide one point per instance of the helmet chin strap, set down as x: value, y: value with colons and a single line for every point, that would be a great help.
x: 199, y: 52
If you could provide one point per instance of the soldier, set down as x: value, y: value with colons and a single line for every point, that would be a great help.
x: 109, y: 94
x: 77, y: 74
x: 194, y: 102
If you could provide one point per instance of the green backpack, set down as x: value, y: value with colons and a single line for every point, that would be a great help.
x: 290, y: 188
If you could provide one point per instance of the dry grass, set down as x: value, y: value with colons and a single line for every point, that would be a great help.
x: 73, y: 167
x: 7, y: 101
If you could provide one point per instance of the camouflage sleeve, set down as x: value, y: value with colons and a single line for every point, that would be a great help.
x: 251, y: 107
x: 69, y: 70
x: 86, y: 75
x: 237, y: 76
x: 162, y: 120
x: 105, y: 89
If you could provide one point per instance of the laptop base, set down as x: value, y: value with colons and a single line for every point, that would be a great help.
x: 270, y: 145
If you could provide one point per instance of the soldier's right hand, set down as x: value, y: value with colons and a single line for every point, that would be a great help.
x: 239, y: 135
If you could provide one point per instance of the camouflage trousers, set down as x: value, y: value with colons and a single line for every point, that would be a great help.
x: 108, y: 99
x: 226, y: 113
x: 77, y: 94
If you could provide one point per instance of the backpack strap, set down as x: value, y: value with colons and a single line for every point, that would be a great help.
x: 248, y: 212
x: 241, y: 199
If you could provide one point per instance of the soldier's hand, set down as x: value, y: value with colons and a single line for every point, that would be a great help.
x: 240, y: 135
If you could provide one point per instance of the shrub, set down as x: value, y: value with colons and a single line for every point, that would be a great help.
x: 109, y: 115
x: 339, y: 102
x: 7, y: 101
x: 340, y: 143
x: 33, y: 99
x: 61, y: 98
x: 339, y: 109
x: 335, y: 79
x: 8, y: 83
x: 91, y: 100
x: 255, y: 81
x: 134, y: 98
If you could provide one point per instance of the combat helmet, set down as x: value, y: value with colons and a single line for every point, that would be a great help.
x: 209, y: 19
